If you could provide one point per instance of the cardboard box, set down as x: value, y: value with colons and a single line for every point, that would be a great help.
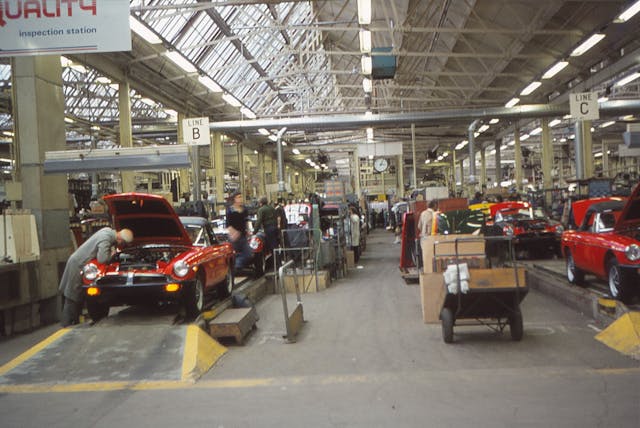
x: 432, y: 293
x: 307, y: 281
x: 444, y: 245
x: 473, y: 262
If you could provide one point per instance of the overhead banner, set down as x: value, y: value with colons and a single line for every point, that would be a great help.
x: 46, y: 27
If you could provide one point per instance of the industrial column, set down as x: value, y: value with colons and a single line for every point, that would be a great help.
x: 262, y: 188
x: 355, y: 173
x: 218, y: 165
x: 547, y: 162
x: 483, y: 168
x: 38, y: 115
x: 183, y: 174
x: 400, y: 175
x: 498, y: 160
x: 241, y: 166
x: 517, y: 153
x: 126, y: 137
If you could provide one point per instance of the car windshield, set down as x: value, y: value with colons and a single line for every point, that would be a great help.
x: 197, y: 234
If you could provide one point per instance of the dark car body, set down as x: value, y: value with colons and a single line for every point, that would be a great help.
x: 169, y: 260
x: 606, y: 243
x: 534, y: 234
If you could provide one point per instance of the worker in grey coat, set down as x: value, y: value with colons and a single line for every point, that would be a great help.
x: 101, y: 246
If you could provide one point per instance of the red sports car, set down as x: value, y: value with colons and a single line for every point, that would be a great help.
x: 606, y: 243
x: 168, y: 260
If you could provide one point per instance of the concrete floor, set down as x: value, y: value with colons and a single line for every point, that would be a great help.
x: 364, y: 358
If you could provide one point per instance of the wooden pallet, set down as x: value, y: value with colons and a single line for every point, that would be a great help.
x: 234, y: 323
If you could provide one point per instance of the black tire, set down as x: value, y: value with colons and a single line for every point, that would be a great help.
x: 446, y: 315
x: 97, y: 310
x: 225, y: 288
x: 515, y: 325
x: 194, y: 299
x: 618, y: 280
x: 574, y: 274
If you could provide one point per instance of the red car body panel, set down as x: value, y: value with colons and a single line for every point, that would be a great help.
x: 590, y: 246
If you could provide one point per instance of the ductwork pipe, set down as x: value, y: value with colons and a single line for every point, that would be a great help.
x: 472, y: 154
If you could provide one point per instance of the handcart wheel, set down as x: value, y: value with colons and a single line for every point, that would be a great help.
x: 446, y: 315
x: 515, y: 325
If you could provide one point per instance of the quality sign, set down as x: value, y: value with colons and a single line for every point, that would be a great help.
x: 46, y: 27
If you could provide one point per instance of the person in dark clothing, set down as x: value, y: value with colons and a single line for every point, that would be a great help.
x: 281, y: 219
x: 237, y: 228
x: 267, y: 220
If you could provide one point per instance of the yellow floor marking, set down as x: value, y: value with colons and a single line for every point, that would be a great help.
x: 201, y: 351
x: 34, y: 350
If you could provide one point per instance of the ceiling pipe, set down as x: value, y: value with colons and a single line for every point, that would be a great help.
x: 350, y: 121
x: 472, y: 155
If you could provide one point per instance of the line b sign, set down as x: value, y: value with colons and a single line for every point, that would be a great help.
x: 584, y: 106
x: 195, y: 130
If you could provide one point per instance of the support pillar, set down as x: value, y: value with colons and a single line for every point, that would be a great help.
x: 498, y: 161
x: 483, y: 168
x: 400, y: 175
x: 547, y: 162
x: 125, y: 132
x: 587, y: 144
x: 517, y: 152
x: 241, y: 167
x: 355, y: 173
x: 183, y: 181
x: 218, y: 165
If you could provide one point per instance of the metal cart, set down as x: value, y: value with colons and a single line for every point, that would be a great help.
x: 492, y: 299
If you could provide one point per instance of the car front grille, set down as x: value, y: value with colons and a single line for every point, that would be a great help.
x: 122, y: 280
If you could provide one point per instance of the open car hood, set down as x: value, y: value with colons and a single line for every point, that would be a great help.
x: 630, y: 216
x: 510, y: 206
x: 151, y: 218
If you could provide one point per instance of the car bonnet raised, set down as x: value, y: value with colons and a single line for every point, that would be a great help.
x: 630, y: 216
x: 151, y: 218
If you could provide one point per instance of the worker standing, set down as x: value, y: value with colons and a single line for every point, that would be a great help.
x: 101, y: 246
x: 267, y: 220
x: 237, y: 228
x: 427, y: 224
x: 355, y: 233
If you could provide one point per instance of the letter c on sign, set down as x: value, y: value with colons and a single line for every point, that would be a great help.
x: 584, y: 108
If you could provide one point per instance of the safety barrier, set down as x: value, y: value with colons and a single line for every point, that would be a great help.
x: 293, y: 322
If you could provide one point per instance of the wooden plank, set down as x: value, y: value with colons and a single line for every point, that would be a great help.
x: 496, y: 278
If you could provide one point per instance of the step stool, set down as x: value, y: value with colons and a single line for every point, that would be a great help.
x: 236, y: 323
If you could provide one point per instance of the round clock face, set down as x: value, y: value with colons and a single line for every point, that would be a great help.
x: 380, y: 164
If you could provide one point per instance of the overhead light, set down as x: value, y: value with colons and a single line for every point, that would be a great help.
x: 209, y: 83
x: 603, y: 99
x: 483, y: 128
x: 367, y: 85
x: 587, y: 44
x: 445, y: 154
x: 629, y: 12
x: 367, y: 65
x: 307, y: 160
x: 103, y: 80
x: 181, y: 61
x: 263, y: 131
x: 141, y: 30
x: 597, y: 155
x: 365, y: 41
x: 503, y: 147
x: 247, y: 112
x: 295, y: 151
x: 606, y: 124
x: 427, y: 161
x: 572, y: 136
x: 231, y: 100
x: 69, y: 120
x: 283, y: 143
x: 461, y: 144
x: 627, y: 79
x: 273, y: 138
x: 364, y: 12
x: 557, y: 68
x: 511, y: 143
x: 530, y: 88
x: 492, y: 152
x: 95, y: 127
x: 566, y: 116
x: 563, y: 140
x: 524, y: 137
x: 316, y: 166
x: 536, y: 131
x: 555, y: 122
x: 494, y: 121
x: 512, y: 102
x: 8, y: 133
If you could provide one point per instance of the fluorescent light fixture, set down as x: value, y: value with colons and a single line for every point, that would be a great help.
x: 367, y: 85
x: 627, y: 79
x: 555, y: 122
x: 263, y: 131
x: 141, y: 30
x: 629, y: 12
x: 181, y: 61
x: 69, y: 120
x: 536, y: 131
x: 364, y: 12
x: 607, y: 124
x: 461, y: 144
x: 572, y: 136
x: 587, y: 44
x: 492, y: 152
x: 524, y: 137
x: 445, y: 154
x: 95, y: 128
x: 231, y: 100
x: 273, y: 138
x: 316, y: 166
x: 563, y: 140
x: 8, y: 133
x: 530, y: 88
x: 367, y: 65
x: 494, y: 121
x: 255, y: 152
x: 503, y: 147
x: 440, y: 158
x: 427, y: 161
x: 283, y: 143
x: 512, y: 102
x: 295, y: 151
x: 307, y: 160
x: 511, y: 143
x: 209, y: 83
x: 603, y: 99
x: 365, y: 41
x: 597, y: 155
x: 483, y: 128
x: 557, y: 68
x: 247, y: 112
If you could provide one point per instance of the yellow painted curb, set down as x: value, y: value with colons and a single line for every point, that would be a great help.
x: 33, y: 350
x: 201, y: 352
x: 623, y: 335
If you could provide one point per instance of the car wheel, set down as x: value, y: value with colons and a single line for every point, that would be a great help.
x: 194, y: 299
x: 574, y: 274
x: 225, y: 288
x: 97, y: 310
x: 515, y: 325
x: 618, y: 280
x: 446, y: 315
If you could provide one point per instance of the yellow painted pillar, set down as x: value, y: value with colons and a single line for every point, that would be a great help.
x: 125, y: 132
x: 518, y: 157
x: 184, y: 182
x: 217, y: 152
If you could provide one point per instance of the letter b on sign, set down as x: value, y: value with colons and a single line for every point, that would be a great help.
x: 196, y: 130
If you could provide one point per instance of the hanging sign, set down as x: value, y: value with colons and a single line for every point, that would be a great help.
x: 46, y: 27
x: 196, y: 131
x: 584, y: 106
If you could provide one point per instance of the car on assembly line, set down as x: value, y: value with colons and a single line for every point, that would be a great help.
x: 606, y: 243
x: 171, y: 259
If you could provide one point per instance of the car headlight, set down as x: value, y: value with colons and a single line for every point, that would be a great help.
x: 508, y: 230
x: 254, y: 243
x: 90, y: 272
x: 632, y: 252
x: 181, y: 268
x: 559, y: 230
